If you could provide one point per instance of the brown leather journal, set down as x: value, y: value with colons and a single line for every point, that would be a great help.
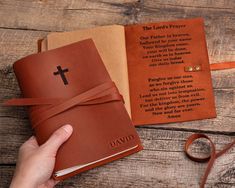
x: 70, y: 85
x: 161, y: 69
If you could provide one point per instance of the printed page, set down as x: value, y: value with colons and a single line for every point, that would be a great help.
x: 169, y: 73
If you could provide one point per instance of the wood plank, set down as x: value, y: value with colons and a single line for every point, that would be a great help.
x: 68, y: 15
x: 64, y: 15
x: 15, y: 44
x: 203, y: 4
x: 161, y: 164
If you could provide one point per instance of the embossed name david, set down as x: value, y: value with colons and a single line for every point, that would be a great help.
x: 121, y: 140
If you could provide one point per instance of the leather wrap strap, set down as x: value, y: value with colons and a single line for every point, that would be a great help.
x: 103, y: 93
x: 222, y: 66
x: 211, y: 158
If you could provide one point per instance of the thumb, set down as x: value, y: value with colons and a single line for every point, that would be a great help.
x: 58, y: 138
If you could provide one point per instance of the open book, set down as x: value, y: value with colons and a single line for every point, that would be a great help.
x: 161, y: 69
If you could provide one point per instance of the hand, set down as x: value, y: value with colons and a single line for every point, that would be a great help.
x: 36, y: 163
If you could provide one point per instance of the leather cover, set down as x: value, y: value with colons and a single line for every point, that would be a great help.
x: 70, y: 85
x: 110, y: 43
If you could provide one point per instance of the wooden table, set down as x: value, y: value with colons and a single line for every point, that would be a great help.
x: 162, y: 163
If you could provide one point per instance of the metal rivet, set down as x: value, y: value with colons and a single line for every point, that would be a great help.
x: 190, y: 68
x: 198, y: 67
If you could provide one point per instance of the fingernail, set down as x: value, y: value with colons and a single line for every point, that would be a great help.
x: 68, y: 128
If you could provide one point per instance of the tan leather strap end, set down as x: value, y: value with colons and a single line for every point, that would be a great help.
x: 222, y: 66
x: 211, y: 158
x: 103, y: 93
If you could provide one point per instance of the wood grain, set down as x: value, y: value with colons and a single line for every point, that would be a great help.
x: 71, y: 15
x: 162, y: 163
